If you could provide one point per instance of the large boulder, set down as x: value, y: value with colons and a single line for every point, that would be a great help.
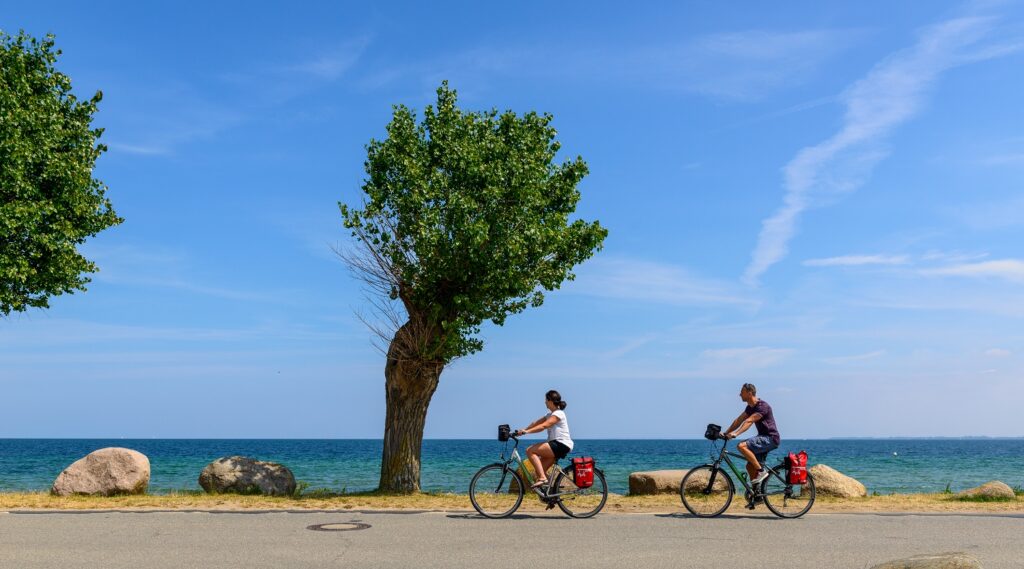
x: 830, y: 482
x: 933, y: 561
x: 667, y: 482
x: 655, y: 482
x: 105, y: 472
x: 244, y: 475
x: 994, y: 490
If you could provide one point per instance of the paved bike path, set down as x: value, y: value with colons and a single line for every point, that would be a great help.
x: 454, y: 540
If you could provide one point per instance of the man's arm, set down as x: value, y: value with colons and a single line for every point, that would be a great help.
x: 736, y: 423
x: 750, y: 420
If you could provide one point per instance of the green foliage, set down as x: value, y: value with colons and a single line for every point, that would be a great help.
x: 948, y: 490
x: 467, y: 218
x: 49, y: 201
x: 1018, y: 491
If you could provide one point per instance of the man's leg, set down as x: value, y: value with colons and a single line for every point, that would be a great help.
x: 752, y: 464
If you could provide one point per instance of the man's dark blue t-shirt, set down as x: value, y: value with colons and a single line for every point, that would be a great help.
x: 766, y: 426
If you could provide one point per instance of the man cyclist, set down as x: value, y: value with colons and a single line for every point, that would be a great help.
x: 755, y: 449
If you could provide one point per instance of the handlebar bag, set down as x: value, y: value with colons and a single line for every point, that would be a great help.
x: 583, y: 471
x: 797, y: 464
x: 503, y: 432
x: 712, y: 432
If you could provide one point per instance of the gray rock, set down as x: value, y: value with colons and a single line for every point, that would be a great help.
x: 244, y: 475
x: 933, y: 561
x: 655, y: 482
x: 667, y: 482
x: 830, y: 482
x: 994, y: 489
x: 105, y: 472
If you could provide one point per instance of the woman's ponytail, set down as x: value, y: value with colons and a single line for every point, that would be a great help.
x: 556, y: 398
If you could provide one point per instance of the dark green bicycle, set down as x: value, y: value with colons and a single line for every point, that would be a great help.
x: 707, y: 490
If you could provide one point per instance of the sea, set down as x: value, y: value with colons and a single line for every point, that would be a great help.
x: 353, y: 465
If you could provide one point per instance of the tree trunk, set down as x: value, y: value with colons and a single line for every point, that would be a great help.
x: 409, y: 385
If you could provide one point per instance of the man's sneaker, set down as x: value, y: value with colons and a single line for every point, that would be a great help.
x: 761, y: 475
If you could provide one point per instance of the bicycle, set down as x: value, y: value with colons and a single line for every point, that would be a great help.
x: 497, y: 489
x: 708, y: 490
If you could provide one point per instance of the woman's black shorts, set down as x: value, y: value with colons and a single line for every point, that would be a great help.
x: 559, y: 449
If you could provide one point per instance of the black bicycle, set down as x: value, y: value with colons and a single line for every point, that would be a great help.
x: 497, y: 489
x: 708, y: 490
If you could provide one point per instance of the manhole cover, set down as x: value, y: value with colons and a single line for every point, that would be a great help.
x: 339, y: 526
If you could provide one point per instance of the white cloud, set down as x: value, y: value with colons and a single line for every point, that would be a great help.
x: 997, y: 353
x: 747, y: 358
x: 741, y: 65
x: 855, y: 358
x: 889, y: 95
x: 333, y: 63
x: 1004, y: 160
x: 856, y: 260
x: 1007, y: 269
x: 952, y: 256
x: 647, y: 281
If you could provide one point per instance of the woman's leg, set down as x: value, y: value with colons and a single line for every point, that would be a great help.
x: 542, y: 457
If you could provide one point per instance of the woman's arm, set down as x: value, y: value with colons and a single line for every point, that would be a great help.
x: 540, y: 424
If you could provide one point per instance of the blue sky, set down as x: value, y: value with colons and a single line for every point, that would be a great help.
x: 823, y: 199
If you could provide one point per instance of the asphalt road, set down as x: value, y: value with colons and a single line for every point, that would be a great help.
x: 112, y: 540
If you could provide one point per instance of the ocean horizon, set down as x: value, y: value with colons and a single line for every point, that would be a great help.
x: 884, y: 465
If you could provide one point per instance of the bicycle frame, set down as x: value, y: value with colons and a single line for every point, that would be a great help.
x: 518, y: 460
x: 724, y: 455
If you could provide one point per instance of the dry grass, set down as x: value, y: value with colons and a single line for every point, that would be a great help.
x: 665, y: 503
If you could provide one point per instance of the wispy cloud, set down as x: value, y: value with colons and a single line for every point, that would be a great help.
x: 888, y: 96
x: 857, y: 260
x: 1006, y: 269
x: 855, y: 357
x: 997, y: 353
x: 746, y: 358
x: 333, y: 62
x: 740, y: 65
x: 661, y: 283
x: 1004, y: 160
x: 138, y: 149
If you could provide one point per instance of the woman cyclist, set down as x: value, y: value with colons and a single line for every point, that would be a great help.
x: 543, y: 455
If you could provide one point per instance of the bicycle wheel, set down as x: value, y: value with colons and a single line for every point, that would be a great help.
x: 787, y: 500
x: 581, y: 502
x: 703, y: 498
x: 496, y: 491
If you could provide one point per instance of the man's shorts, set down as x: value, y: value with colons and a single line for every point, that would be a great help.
x: 761, y: 445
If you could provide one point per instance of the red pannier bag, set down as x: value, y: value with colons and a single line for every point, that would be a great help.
x: 797, y: 467
x: 583, y: 471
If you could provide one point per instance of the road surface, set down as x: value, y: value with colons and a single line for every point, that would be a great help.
x: 114, y: 540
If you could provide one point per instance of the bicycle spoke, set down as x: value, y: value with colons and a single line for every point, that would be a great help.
x: 703, y: 497
x: 581, y: 502
x: 788, y: 500
x: 495, y: 492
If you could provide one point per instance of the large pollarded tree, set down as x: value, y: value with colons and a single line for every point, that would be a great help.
x: 49, y: 201
x: 466, y: 218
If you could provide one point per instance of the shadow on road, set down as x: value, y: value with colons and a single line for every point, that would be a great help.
x: 512, y: 517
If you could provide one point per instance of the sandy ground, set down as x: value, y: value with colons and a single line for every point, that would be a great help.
x: 665, y: 503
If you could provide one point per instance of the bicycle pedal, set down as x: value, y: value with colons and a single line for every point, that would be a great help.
x: 551, y: 506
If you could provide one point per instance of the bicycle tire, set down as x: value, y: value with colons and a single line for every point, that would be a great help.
x: 785, y: 504
x: 702, y: 499
x: 584, y: 502
x: 506, y: 483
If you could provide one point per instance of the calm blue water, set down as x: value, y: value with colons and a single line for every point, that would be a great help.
x: 354, y: 465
